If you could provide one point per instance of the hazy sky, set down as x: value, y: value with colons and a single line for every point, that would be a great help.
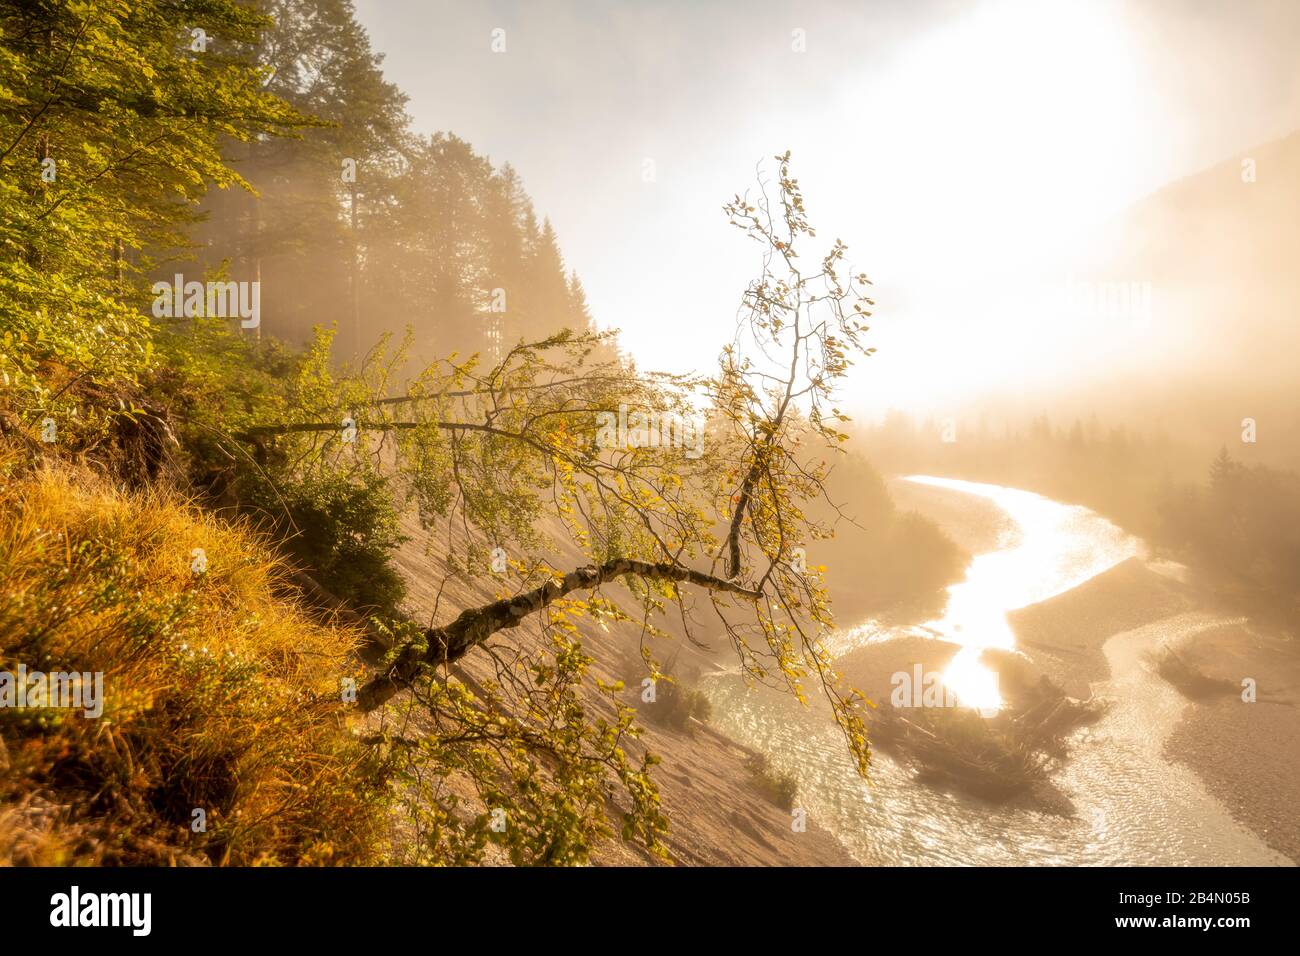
x: 948, y: 143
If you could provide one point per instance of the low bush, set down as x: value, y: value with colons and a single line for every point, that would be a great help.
x: 778, y: 786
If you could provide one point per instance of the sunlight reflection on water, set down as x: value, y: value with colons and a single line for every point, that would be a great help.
x: 1058, y: 547
x: 1133, y: 807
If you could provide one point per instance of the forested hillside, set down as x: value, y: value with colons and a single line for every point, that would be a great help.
x: 361, y: 223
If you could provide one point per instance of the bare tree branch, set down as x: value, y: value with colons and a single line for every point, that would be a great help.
x: 474, y: 626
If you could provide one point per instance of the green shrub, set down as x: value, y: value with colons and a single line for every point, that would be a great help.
x: 778, y: 786
x: 342, y: 529
x: 674, y: 706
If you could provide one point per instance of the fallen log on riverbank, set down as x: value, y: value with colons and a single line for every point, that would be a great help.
x: 1001, y: 758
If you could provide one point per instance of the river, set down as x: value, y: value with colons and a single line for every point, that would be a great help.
x: 1133, y: 806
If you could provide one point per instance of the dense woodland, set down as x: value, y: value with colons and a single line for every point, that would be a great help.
x: 359, y: 223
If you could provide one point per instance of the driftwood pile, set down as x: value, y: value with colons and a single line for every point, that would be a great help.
x: 996, y: 758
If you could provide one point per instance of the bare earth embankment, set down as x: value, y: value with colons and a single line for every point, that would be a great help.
x: 1247, y: 754
x: 1064, y: 635
x: 717, y: 814
x: 976, y: 524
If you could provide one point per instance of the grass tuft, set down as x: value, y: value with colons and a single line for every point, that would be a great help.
x: 219, y: 695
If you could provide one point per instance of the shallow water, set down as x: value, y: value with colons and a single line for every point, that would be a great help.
x: 1133, y: 807
x: 1051, y: 548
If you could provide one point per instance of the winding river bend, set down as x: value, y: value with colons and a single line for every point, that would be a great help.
x: 1133, y: 807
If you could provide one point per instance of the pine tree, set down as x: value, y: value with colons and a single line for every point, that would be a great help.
x: 578, y: 310
x: 304, y: 233
x: 548, y: 286
x: 1223, y: 472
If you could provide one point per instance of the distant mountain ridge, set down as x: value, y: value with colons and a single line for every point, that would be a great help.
x: 1218, y: 254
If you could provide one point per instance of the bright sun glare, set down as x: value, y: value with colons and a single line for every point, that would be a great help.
x: 1010, y: 132
x: 1057, y: 547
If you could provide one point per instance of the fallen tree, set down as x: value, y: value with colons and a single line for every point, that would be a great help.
x: 484, y: 454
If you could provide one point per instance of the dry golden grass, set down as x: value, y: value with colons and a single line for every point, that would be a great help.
x: 220, y: 695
